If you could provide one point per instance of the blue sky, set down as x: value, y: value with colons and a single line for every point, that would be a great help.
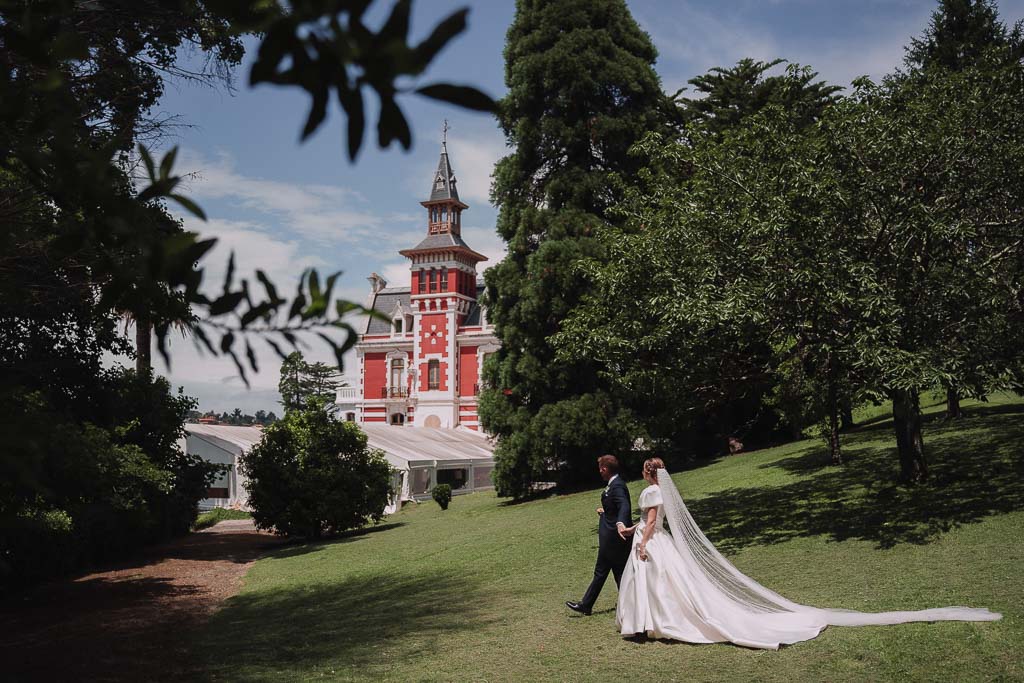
x: 283, y: 206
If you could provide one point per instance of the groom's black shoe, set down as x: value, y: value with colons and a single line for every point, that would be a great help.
x: 578, y: 607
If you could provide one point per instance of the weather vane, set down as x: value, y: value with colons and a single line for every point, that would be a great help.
x: 444, y: 133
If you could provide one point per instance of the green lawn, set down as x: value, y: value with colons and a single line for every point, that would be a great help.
x: 476, y: 592
x: 211, y: 517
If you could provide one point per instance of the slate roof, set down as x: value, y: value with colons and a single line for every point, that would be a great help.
x: 444, y: 185
x: 387, y: 298
x: 473, y: 317
x: 384, y: 303
x: 442, y: 241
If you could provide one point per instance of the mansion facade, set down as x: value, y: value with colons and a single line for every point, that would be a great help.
x: 421, y: 365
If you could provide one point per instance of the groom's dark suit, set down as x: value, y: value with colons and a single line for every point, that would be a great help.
x: 612, y: 551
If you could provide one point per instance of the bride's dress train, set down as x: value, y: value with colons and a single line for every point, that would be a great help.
x: 686, y: 590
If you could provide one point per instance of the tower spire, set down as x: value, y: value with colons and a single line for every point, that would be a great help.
x: 444, y: 185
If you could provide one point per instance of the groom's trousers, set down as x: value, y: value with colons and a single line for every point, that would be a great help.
x: 611, y: 557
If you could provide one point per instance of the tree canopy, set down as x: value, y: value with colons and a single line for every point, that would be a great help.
x: 867, y: 244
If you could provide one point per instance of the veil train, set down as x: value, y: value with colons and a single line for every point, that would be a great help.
x: 753, y: 615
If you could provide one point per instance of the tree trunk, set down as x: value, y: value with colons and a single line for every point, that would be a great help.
x: 953, y: 404
x: 833, y: 417
x: 906, y: 414
x: 143, y: 345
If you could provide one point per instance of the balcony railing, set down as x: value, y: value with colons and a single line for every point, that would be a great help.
x: 394, y: 392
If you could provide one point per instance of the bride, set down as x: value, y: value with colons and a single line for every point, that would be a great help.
x: 680, y: 587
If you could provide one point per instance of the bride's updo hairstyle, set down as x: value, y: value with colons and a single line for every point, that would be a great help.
x: 652, y: 465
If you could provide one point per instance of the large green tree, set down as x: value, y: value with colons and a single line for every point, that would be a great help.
x: 727, y: 96
x: 778, y: 392
x: 582, y: 91
x: 301, y: 381
x: 961, y: 33
x: 964, y: 34
x: 837, y: 240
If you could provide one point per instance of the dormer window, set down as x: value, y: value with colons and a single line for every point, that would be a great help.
x: 397, y: 326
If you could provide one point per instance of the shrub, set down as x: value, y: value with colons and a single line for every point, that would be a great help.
x: 312, y: 476
x: 87, y: 480
x: 442, y: 493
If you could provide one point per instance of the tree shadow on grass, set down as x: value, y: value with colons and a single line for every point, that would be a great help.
x: 345, y: 626
x: 977, y: 470
x: 99, y: 628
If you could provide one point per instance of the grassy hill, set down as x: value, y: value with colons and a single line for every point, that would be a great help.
x: 476, y: 592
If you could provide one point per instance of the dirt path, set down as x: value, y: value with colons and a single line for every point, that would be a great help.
x: 130, y: 622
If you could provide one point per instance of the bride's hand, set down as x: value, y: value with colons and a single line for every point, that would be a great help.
x: 641, y: 551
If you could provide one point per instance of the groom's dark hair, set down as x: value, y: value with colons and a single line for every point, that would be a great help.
x: 610, y: 462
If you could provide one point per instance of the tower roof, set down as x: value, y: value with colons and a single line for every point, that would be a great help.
x: 443, y: 242
x: 444, y: 183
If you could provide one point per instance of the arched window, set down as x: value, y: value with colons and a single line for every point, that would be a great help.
x: 444, y: 279
x: 350, y: 417
x: 433, y: 374
x: 422, y: 281
x: 397, y: 419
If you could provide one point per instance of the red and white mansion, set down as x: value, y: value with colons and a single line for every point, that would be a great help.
x: 421, y: 366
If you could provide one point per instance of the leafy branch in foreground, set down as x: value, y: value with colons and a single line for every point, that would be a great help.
x: 326, y: 46
x: 137, y: 257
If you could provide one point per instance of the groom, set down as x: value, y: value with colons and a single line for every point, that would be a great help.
x: 613, y: 546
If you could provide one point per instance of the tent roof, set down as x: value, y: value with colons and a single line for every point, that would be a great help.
x: 422, y: 446
x: 231, y: 438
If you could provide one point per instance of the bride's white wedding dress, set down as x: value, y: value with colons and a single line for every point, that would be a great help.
x: 686, y: 590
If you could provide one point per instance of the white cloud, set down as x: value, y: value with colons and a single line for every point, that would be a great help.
x: 397, y: 273
x: 326, y: 214
x: 695, y: 39
x: 473, y: 158
x: 255, y: 247
x: 486, y: 241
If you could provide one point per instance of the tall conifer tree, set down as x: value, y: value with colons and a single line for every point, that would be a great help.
x: 582, y: 91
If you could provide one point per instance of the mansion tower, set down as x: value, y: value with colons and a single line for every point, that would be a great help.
x: 421, y: 366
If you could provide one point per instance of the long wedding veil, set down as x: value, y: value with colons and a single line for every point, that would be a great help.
x: 727, y: 591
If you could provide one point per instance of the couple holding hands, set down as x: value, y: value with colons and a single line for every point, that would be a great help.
x: 673, y: 583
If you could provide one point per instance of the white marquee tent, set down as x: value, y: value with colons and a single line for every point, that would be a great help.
x: 422, y: 458
x: 222, y: 444
x: 425, y: 457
